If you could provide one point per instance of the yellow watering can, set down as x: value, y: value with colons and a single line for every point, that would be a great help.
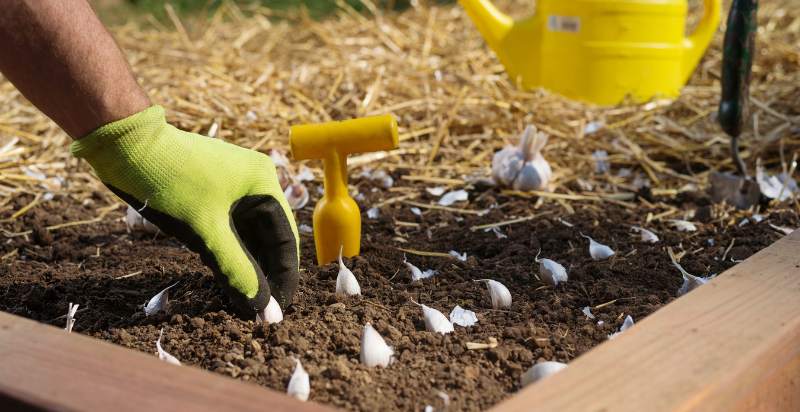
x: 600, y: 51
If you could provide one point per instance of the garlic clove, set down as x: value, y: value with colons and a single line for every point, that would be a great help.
x: 506, y: 165
x: 452, y: 197
x: 299, y: 386
x: 499, y: 293
x: 272, y: 313
x: 346, y: 282
x: 374, y: 350
x: 373, y: 213
x: 627, y: 323
x: 162, y: 354
x: 588, y: 312
x: 416, y: 211
x: 647, y: 236
x: 158, y: 302
x: 683, y: 225
x: 690, y: 282
x: 463, y: 317
x: 597, y: 250
x: 296, y: 195
x: 435, y: 321
x: 436, y: 191
x: 417, y: 274
x: 135, y: 221
x: 551, y: 271
x: 71, y: 310
x: 460, y: 256
x: 540, y: 371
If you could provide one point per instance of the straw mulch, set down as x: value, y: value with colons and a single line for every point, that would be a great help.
x: 253, y: 76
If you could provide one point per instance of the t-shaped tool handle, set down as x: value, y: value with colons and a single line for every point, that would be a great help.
x: 337, y: 220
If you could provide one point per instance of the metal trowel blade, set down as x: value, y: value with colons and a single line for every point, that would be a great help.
x: 735, y: 190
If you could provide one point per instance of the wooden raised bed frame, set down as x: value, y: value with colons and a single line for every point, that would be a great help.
x: 731, y: 345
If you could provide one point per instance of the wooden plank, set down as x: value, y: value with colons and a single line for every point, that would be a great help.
x: 731, y: 345
x: 44, y: 368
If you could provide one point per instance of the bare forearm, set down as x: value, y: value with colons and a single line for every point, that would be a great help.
x: 59, y: 55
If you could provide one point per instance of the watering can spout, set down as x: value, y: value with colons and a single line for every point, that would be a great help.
x: 491, y: 22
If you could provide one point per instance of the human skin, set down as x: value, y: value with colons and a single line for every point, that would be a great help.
x: 59, y: 55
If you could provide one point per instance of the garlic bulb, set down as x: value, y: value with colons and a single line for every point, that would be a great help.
x: 374, y: 350
x: 539, y: 371
x: 597, y: 250
x: 647, y: 236
x: 158, y: 302
x: 272, y: 313
x: 435, y: 321
x: 346, y: 282
x: 71, y: 310
x: 297, y: 195
x: 463, y: 317
x: 162, y: 354
x: 135, y: 221
x: 551, y: 271
x: 299, y: 385
x: 523, y: 167
x: 501, y: 297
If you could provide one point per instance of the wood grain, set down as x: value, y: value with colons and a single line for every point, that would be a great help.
x: 44, y: 368
x: 731, y: 345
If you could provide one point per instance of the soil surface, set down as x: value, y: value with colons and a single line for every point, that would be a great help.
x: 111, y: 273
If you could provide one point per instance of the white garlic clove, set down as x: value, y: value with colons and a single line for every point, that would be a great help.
x: 158, y: 302
x: 646, y: 235
x: 460, y: 256
x: 683, y: 225
x: 417, y: 274
x: 452, y: 197
x: 299, y: 386
x: 71, y: 310
x: 436, y: 191
x: 588, y: 312
x: 498, y: 292
x: 162, y: 354
x: 506, y: 165
x: 597, y: 250
x: 534, y: 175
x: 136, y: 222
x: 374, y: 350
x: 346, y: 282
x: 690, y: 282
x: 296, y: 195
x: 551, y: 271
x: 373, y: 213
x: 272, y: 313
x: 416, y: 211
x: 627, y: 323
x: 540, y: 371
x: 463, y: 317
x: 435, y: 321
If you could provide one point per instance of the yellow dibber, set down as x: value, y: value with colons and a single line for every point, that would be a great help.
x: 600, y: 51
x: 337, y: 220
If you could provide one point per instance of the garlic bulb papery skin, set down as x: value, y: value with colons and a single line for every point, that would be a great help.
x: 346, y: 282
x: 435, y: 321
x: 158, y: 302
x: 162, y: 354
x: 135, y: 221
x: 272, y: 313
x: 498, y: 292
x: 646, y: 235
x: 374, y: 350
x: 597, y: 250
x: 540, y: 371
x: 463, y: 317
x: 523, y: 167
x: 299, y: 385
x: 551, y: 271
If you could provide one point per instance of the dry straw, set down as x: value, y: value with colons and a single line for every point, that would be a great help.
x: 253, y: 73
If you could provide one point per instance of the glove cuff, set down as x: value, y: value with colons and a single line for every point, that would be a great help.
x: 134, y: 154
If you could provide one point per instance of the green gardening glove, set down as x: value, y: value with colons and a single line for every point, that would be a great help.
x: 223, y: 201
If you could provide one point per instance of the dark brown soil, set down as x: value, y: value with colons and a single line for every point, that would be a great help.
x: 88, y: 264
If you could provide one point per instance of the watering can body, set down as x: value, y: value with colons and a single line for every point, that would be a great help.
x: 600, y: 51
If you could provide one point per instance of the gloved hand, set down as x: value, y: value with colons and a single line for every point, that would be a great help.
x: 222, y: 200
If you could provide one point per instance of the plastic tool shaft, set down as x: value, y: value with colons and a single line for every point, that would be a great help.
x: 337, y: 219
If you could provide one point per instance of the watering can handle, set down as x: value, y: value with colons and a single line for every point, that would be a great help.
x: 695, y: 45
